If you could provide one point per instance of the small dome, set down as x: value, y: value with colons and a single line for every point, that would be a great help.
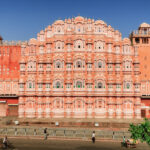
x: 126, y: 41
x: 59, y: 22
x: 41, y: 32
x: 144, y: 25
x: 99, y: 22
x: 79, y: 18
x: 32, y: 41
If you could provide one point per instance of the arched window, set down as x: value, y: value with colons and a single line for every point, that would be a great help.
x: 58, y: 65
x: 79, y: 64
x: 79, y: 84
x: 58, y: 29
x: 58, y: 46
x: 99, y: 64
x: 128, y: 85
x: 99, y: 45
x: 99, y: 85
x: 79, y: 44
x: 58, y: 85
x: 31, y: 85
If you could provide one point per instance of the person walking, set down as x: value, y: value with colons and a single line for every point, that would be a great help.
x: 93, y: 137
x: 5, y: 142
x: 45, y: 134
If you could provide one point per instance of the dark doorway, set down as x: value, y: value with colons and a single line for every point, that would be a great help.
x: 143, y: 113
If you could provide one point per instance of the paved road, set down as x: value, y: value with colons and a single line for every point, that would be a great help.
x: 37, y: 144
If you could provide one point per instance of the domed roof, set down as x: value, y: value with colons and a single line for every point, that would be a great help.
x: 41, y: 32
x: 59, y: 22
x: 126, y: 40
x: 144, y: 25
x: 99, y: 22
x: 32, y: 41
x: 79, y: 18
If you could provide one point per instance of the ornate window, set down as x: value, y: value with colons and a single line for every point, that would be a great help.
x: 31, y: 85
x: 89, y: 85
x: 47, y: 85
x: 59, y: 45
x: 99, y: 45
x: 79, y: 84
x: 40, y: 67
x: 99, y: 85
x: 79, y: 64
x: 58, y: 85
x: 127, y: 65
x: 99, y: 64
x: 79, y: 44
x: 58, y: 64
x: 68, y: 85
x: 58, y: 29
x: 48, y: 67
x: 89, y: 65
x: 127, y: 85
x: 31, y: 66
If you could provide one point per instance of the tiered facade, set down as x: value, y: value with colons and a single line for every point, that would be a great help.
x: 79, y: 68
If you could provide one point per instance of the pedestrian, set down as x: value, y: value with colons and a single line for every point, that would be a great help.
x: 113, y: 136
x: 5, y: 142
x: 45, y: 134
x: 93, y: 137
x: 124, y: 139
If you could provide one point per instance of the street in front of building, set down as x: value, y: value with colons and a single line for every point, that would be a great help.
x: 55, y: 144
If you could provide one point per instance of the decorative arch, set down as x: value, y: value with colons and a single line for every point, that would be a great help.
x: 79, y: 44
x: 99, y: 84
x: 57, y: 84
x: 58, y: 64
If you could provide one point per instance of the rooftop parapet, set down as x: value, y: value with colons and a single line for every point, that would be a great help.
x: 140, y: 33
x: 11, y: 43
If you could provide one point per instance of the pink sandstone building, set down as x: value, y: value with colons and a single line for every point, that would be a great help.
x: 79, y: 68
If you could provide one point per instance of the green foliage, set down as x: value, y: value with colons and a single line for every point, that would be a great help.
x: 141, y: 131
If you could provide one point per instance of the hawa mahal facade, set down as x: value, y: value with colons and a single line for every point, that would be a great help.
x: 77, y: 68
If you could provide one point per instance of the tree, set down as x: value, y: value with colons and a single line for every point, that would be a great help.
x: 141, y: 131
